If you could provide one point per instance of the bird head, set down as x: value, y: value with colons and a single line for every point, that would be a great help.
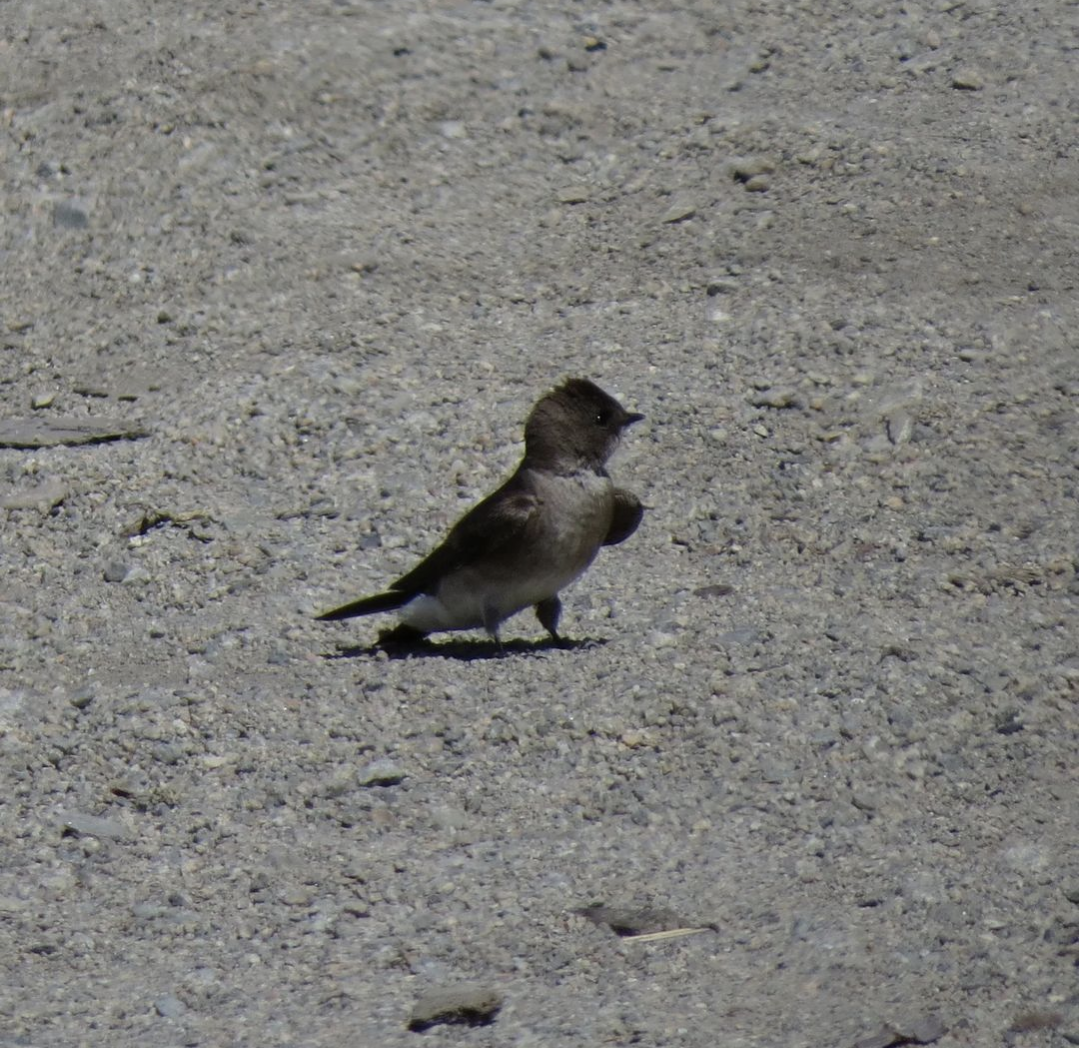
x: 576, y: 424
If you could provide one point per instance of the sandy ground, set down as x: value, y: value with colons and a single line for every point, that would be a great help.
x: 310, y: 265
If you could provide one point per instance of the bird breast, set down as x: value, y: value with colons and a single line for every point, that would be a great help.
x: 574, y: 515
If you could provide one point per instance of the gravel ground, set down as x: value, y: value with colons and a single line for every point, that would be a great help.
x: 281, y: 283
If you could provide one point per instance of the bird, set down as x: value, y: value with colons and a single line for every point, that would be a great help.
x: 529, y: 539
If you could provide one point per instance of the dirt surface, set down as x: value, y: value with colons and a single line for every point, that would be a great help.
x: 281, y: 282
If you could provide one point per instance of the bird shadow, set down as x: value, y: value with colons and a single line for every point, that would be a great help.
x: 464, y: 650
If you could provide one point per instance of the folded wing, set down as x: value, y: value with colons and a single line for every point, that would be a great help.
x: 626, y: 517
x: 499, y: 523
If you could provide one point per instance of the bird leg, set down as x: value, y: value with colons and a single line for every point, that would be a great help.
x: 548, y: 612
x: 491, y: 622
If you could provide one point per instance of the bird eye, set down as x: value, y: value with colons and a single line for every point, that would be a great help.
x: 603, y: 417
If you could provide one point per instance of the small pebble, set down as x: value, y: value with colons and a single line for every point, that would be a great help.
x: 967, y: 80
x: 381, y: 772
x: 574, y: 195
x: 92, y: 825
x: 170, y: 1007
x: 69, y: 216
x: 718, y: 589
x: 115, y: 571
x: 678, y: 212
x: 899, y: 426
x: 81, y: 698
x: 776, y: 398
x: 745, y: 168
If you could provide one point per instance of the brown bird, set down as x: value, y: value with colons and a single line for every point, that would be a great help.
x: 523, y: 544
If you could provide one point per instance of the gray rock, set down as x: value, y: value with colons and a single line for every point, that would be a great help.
x: 42, y: 498
x: 776, y: 398
x: 45, y: 432
x: 93, y: 825
x: 468, y: 1004
x: 115, y: 571
x: 680, y: 211
x: 381, y: 772
x: 170, y: 1007
x: 968, y: 79
x: 918, y: 1031
x: 69, y: 216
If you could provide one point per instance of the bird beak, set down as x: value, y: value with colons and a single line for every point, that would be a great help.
x: 631, y: 417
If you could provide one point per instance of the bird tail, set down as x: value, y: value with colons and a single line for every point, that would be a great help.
x: 368, y: 605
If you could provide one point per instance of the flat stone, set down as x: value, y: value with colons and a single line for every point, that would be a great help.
x: 93, y: 825
x: 968, y: 80
x: 381, y: 772
x: 679, y: 211
x: 170, y: 1006
x: 919, y: 1031
x: 43, y: 432
x: 743, y: 169
x: 626, y: 921
x: 43, y: 497
x: 776, y: 398
x: 574, y: 195
x: 468, y: 1004
x: 925, y: 1030
x: 69, y: 216
x: 715, y: 589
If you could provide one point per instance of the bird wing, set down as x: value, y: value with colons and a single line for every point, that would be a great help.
x: 627, y: 515
x: 499, y: 522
